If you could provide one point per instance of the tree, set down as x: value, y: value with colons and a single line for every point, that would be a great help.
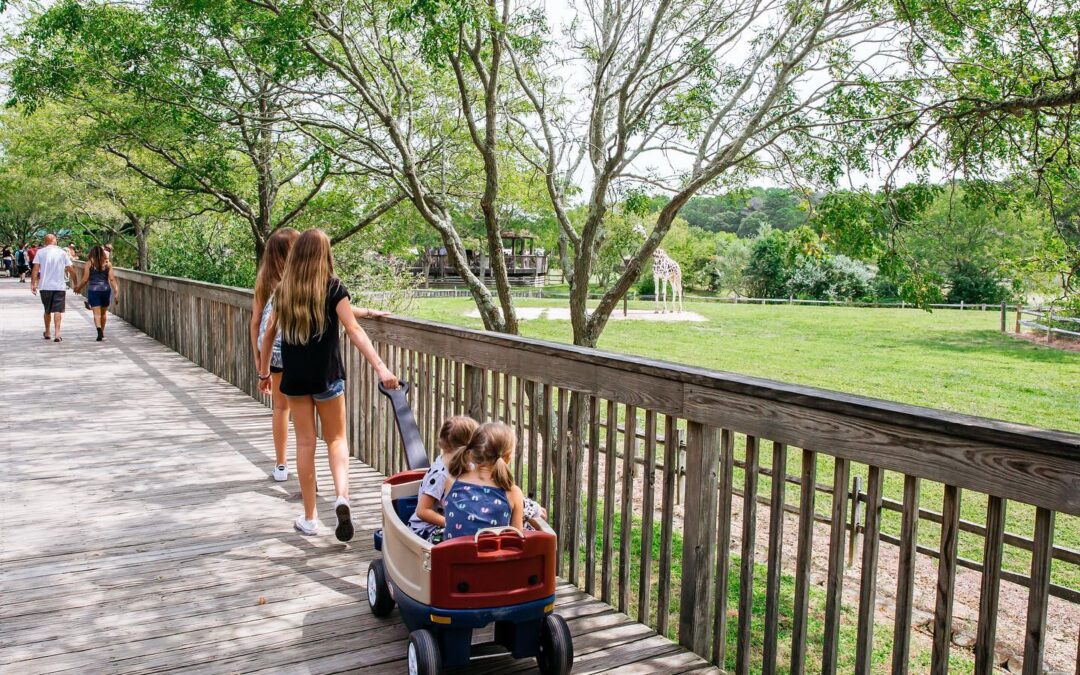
x: 769, y: 268
x: 709, y: 91
x: 181, y: 93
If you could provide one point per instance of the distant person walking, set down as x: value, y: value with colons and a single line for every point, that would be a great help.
x: 309, y: 305
x: 101, y: 288
x: 51, y: 269
x: 22, y: 261
x: 9, y: 260
x: 270, y: 270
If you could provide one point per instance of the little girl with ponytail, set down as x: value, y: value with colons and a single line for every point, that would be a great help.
x: 481, y: 492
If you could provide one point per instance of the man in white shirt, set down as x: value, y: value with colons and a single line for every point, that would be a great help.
x: 51, y: 265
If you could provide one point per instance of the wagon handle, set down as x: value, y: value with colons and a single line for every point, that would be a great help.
x: 495, y: 531
x: 416, y: 456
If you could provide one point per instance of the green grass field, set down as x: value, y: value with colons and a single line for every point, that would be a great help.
x: 946, y: 359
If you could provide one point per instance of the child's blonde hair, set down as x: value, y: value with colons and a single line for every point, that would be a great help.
x: 300, y: 299
x: 456, y: 432
x: 492, y: 445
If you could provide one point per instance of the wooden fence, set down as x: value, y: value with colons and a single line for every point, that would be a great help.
x: 579, y: 412
x: 1046, y: 321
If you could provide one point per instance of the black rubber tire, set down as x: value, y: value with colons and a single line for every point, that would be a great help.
x: 380, y: 602
x: 426, y: 647
x: 556, y: 654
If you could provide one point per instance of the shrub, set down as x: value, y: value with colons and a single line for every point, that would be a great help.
x: 767, y: 272
x: 830, y: 278
x: 971, y: 284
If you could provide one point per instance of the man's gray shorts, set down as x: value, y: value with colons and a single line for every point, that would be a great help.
x: 54, y: 301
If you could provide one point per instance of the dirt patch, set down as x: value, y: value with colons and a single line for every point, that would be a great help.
x: 1063, y: 343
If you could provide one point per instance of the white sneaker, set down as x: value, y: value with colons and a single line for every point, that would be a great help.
x: 344, y: 529
x: 308, y: 527
x: 281, y: 473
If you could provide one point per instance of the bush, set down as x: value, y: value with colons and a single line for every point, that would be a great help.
x: 218, y: 251
x: 971, y: 284
x: 830, y: 278
x: 767, y: 271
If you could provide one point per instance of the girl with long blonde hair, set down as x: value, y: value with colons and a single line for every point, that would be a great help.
x: 310, y: 304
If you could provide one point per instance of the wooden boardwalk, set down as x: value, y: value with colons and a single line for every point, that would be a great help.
x: 140, y: 530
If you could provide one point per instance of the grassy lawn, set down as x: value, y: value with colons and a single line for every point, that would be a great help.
x: 946, y: 359
x: 952, y: 360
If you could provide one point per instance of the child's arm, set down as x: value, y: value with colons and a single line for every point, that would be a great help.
x: 517, y: 513
x: 360, y: 340
x: 425, y: 510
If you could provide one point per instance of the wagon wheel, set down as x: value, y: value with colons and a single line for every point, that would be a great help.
x: 556, y: 655
x: 424, y: 657
x: 378, y: 592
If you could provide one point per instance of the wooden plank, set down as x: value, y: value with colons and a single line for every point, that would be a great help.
x: 519, y: 430
x: 905, y: 577
x: 864, y: 644
x: 648, y: 507
x: 803, y: 561
x: 1038, y: 596
x: 776, y: 557
x: 610, y: 440
x: 474, y: 393
x: 546, y: 419
x: 592, y: 495
x: 667, y: 511
x: 626, y: 504
x: 578, y: 419
x: 723, y: 545
x: 536, y: 393
x: 943, y: 606
x: 560, y: 450
x: 746, y: 560
x: 699, y: 537
x: 834, y: 588
x: 993, y: 550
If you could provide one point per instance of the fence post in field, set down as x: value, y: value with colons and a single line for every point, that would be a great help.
x: 699, y: 536
x: 1003, y: 316
x: 961, y: 305
x: 1019, y: 310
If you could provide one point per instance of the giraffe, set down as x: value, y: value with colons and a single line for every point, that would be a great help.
x: 665, y: 271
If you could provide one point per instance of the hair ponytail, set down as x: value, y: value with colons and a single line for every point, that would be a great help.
x: 491, y: 446
x: 500, y: 474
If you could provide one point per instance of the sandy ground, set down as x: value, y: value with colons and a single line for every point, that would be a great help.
x: 563, y: 314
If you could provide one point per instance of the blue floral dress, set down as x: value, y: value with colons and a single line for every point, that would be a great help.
x: 470, y: 508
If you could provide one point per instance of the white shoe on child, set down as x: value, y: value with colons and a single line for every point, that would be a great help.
x: 308, y: 527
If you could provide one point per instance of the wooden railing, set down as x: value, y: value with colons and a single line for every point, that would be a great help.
x: 579, y: 413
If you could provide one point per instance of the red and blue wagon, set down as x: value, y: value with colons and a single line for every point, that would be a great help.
x: 445, y: 591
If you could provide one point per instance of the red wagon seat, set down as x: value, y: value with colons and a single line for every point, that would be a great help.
x: 493, y: 570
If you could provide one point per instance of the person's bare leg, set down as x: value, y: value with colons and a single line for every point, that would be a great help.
x: 48, y: 316
x: 332, y: 416
x: 57, y: 318
x: 280, y: 418
x: 303, y: 410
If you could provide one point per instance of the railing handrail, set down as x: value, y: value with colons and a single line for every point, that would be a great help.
x: 852, y: 425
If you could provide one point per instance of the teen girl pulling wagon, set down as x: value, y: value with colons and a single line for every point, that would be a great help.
x: 309, y: 304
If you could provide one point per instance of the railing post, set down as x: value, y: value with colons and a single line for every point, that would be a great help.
x: 1019, y: 311
x: 699, y: 536
x: 1003, y: 310
x: 474, y: 393
x: 856, y: 495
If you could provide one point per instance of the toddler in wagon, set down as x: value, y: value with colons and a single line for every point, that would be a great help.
x: 429, y: 520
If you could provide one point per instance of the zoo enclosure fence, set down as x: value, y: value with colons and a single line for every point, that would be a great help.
x: 577, y: 410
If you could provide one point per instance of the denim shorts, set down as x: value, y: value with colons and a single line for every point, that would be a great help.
x: 335, y: 390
